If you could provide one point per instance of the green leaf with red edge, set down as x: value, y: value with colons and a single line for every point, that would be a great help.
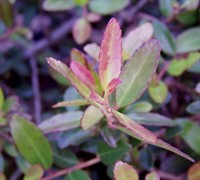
x: 34, y: 173
x: 137, y: 131
x: 137, y: 73
x: 75, y: 81
x: 123, y: 171
x: 194, y: 172
x: 110, y: 57
x: 114, y: 83
x: 152, y: 176
x: 83, y: 74
x: 91, y: 116
x: 77, y: 102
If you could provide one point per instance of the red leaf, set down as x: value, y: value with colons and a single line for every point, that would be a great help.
x: 110, y: 58
x: 112, y: 86
x: 83, y: 73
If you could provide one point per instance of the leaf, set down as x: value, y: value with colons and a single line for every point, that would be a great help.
x: 91, y: 116
x: 81, y: 30
x: 134, y: 80
x: 83, y: 73
x: 112, y: 86
x: 146, y: 158
x: 136, y: 38
x: 92, y: 50
x: 1, y: 99
x: 23, y: 165
x: 75, y: 81
x: 93, y: 17
x: 165, y: 38
x: 141, y: 133
x: 107, y: 7
x: 78, y: 56
x: 110, y: 155
x: 61, y: 122
x: 188, y: 41
x: 64, y: 158
x: 77, y: 102
x: 140, y: 106
x: 194, y: 107
x: 34, y: 173
x: 6, y: 12
x: 30, y: 142
x: 152, y: 176
x: 73, y: 137
x: 2, y: 176
x: 123, y: 171
x: 178, y: 66
x: 193, y: 172
x: 158, y: 92
x: 110, y: 57
x: 151, y: 119
x: 61, y: 5
x: 166, y: 7
x: 77, y: 175
x: 190, y: 133
x: 3, y: 121
x: 81, y: 2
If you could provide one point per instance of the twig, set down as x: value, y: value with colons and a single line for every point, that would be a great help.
x: 36, y: 90
x: 55, y: 36
x: 77, y: 167
x: 169, y: 176
x: 6, y: 137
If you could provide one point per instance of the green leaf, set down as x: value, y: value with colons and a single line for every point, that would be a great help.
x: 61, y: 5
x: 3, y: 121
x: 1, y: 99
x: 81, y: 2
x: 107, y: 7
x: 2, y: 176
x: 110, y: 155
x: 158, y: 92
x: 166, y: 7
x: 22, y: 163
x: 151, y: 119
x: 194, y: 107
x: 193, y: 172
x: 77, y: 175
x: 61, y: 122
x: 152, y: 176
x: 123, y: 171
x: 73, y: 137
x: 78, y: 102
x: 188, y: 41
x: 190, y: 133
x: 91, y: 116
x: 6, y: 12
x: 178, y: 66
x: 165, y: 38
x: 34, y: 173
x: 139, y: 132
x: 134, y: 80
x: 31, y: 143
x: 64, y: 158
x: 140, y: 106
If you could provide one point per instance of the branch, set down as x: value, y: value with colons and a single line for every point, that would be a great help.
x: 54, y: 37
x: 77, y: 167
x: 36, y: 90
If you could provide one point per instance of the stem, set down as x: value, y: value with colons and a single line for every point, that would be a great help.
x: 77, y: 167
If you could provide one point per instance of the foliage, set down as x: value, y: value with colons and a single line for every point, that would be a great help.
x: 110, y: 112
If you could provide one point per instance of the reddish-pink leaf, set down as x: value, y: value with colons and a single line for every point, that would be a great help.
x: 78, y: 56
x: 110, y: 57
x: 112, y: 86
x: 83, y: 73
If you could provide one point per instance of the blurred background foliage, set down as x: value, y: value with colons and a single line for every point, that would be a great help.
x: 31, y: 30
